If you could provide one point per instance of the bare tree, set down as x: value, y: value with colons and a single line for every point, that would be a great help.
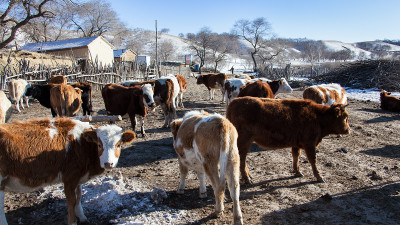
x: 219, y: 48
x: 199, y: 43
x: 253, y: 32
x: 166, y: 50
x: 17, y: 13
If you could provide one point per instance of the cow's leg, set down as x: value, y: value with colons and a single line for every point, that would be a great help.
x: 53, y: 112
x: 180, y: 98
x: 26, y: 101
x: 21, y: 100
x: 133, y: 120
x: 166, y: 114
x: 211, y: 94
x: 202, y: 189
x: 244, y: 144
x: 183, y: 174
x: 217, y: 185
x: 17, y: 105
x: 3, y: 219
x: 296, y: 155
x: 232, y: 176
x: 78, y: 207
x: 141, y: 126
x: 312, y: 158
x: 223, y: 95
x: 70, y: 196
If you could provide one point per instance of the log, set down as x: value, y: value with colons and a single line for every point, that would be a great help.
x: 98, y: 118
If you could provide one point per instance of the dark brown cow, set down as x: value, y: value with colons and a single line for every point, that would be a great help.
x: 134, y: 100
x: 390, y: 103
x: 86, y: 89
x: 164, y: 95
x: 42, y: 152
x: 275, y: 123
x: 57, y: 79
x: 213, y: 81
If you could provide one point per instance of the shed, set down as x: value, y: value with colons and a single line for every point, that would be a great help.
x: 123, y: 55
x: 89, y: 48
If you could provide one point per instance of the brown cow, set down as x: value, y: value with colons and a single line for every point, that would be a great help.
x: 390, y: 103
x: 65, y: 99
x: 213, y: 81
x: 182, y: 87
x: 133, y: 100
x: 326, y: 94
x: 166, y: 89
x: 57, y: 79
x: 207, y: 144
x: 256, y: 89
x: 42, y: 152
x: 275, y: 123
x: 86, y: 89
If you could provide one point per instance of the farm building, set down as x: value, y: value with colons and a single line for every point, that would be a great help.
x: 123, y: 55
x: 89, y: 48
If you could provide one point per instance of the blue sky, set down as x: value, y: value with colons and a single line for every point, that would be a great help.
x: 341, y: 20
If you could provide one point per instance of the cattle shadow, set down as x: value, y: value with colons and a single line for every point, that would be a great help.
x: 202, y: 104
x: 389, y: 151
x: 147, y: 152
x: 376, y: 204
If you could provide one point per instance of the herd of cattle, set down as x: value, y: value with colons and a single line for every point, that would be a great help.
x: 41, y: 152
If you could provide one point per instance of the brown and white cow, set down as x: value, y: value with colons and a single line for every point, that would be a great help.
x: 243, y: 76
x: 207, y: 144
x: 133, y: 100
x: 182, y: 87
x: 213, y: 81
x: 232, y: 88
x: 276, y: 123
x: 65, y: 99
x: 42, y: 152
x: 326, y: 94
x: 166, y: 90
x: 57, y: 79
x: 390, y: 103
x: 17, y: 89
x: 5, y: 107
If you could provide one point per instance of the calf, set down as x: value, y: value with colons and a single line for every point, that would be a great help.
x: 5, y: 107
x: 326, y: 94
x: 86, y: 89
x: 182, y: 87
x: 57, y: 79
x: 41, y: 92
x: 275, y: 123
x: 17, y: 90
x: 207, y: 144
x: 42, y: 152
x: 65, y: 99
x: 232, y: 88
x: 212, y: 82
x: 134, y: 100
x: 166, y: 90
x: 390, y: 103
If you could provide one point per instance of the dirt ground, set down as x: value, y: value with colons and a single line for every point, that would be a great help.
x: 361, y: 171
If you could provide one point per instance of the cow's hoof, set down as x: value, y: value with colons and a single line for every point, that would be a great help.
x: 321, y: 180
x: 203, y: 195
x: 180, y: 191
x: 298, y: 174
x: 217, y: 214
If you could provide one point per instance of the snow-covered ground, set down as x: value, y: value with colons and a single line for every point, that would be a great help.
x: 366, y: 94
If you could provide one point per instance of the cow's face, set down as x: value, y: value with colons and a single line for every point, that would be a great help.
x: 175, y: 127
x: 199, y: 79
x: 341, y: 123
x: 284, y: 87
x: 148, y: 96
x: 109, y: 139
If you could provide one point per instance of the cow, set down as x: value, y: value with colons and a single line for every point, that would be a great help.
x: 57, y: 79
x: 134, y: 101
x: 86, y: 89
x: 326, y: 94
x: 243, y: 76
x: 256, y: 89
x: 5, y: 107
x: 42, y: 152
x: 279, y: 86
x: 213, y: 81
x: 390, y: 103
x: 281, y: 123
x: 182, y: 87
x: 17, y: 91
x: 166, y: 90
x: 232, y: 88
x: 41, y: 92
x: 65, y: 99
x: 207, y: 144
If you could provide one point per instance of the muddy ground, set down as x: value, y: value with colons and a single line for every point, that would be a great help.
x: 361, y: 171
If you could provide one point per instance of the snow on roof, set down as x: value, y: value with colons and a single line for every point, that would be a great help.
x: 54, y: 45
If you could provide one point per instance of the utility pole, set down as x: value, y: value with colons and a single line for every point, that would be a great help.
x: 156, y: 64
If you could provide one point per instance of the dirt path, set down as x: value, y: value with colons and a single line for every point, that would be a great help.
x: 361, y: 171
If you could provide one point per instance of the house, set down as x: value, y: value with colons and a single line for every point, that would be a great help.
x: 90, y: 48
x: 123, y: 55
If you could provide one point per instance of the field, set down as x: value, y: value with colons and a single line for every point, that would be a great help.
x: 361, y: 171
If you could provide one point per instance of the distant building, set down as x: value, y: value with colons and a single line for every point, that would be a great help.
x: 123, y: 55
x: 90, y: 48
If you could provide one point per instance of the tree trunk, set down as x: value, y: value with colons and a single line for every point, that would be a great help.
x: 254, y: 61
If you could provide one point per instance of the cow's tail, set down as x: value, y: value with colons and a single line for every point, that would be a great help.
x: 223, y: 155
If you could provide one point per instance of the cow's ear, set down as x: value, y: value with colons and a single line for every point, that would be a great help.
x: 175, y: 126
x: 128, y: 136
x: 90, y: 136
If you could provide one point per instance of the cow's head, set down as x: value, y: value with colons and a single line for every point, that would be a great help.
x: 200, y: 79
x: 109, y: 139
x: 175, y: 126
x: 148, y: 95
x: 284, y: 87
x: 340, y: 123
x: 385, y: 93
